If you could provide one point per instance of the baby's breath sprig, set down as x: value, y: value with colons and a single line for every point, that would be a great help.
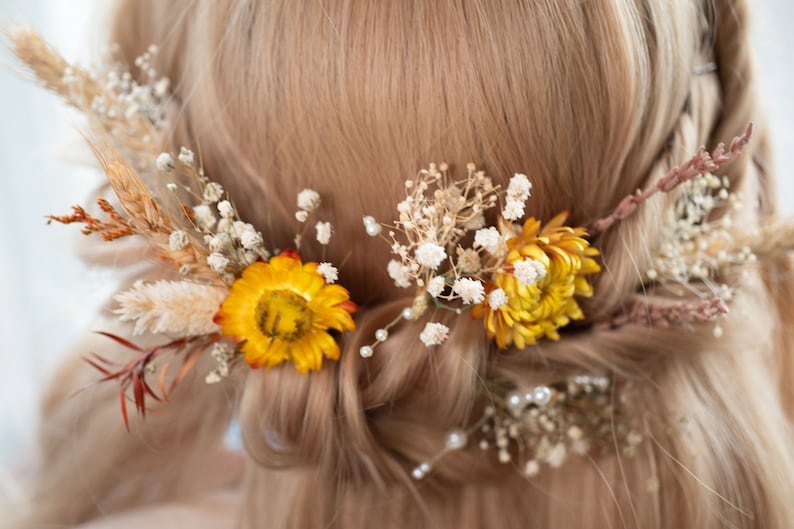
x: 427, y: 242
x: 309, y: 201
x: 693, y: 244
x: 128, y: 113
x: 231, y: 244
x: 694, y: 251
x: 435, y: 216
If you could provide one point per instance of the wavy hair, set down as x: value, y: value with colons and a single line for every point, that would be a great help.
x: 592, y: 100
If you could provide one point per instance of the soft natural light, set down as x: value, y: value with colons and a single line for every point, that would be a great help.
x: 49, y: 298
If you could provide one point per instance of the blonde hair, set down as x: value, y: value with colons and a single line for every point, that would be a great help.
x: 593, y: 100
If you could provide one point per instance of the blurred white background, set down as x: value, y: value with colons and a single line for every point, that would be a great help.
x: 49, y: 298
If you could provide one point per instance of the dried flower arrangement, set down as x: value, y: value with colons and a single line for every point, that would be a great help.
x: 232, y: 294
x: 522, y: 281
x: 233, y: 299
x: 238, y: 301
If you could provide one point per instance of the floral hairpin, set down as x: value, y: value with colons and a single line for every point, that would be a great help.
x: 521, y: 280
x: 544, y: 424
x: 234, y: 297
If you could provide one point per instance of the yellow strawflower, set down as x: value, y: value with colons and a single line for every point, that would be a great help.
x: 281, y: 310
x: 533, y: 294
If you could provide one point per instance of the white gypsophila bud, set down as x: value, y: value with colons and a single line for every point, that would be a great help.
x: 400, y: 273
x: 222, y: 352
x: 529, y: 271
x: 434, y: 334
x: 436, y: 286
x: 308, y: 200
x: 218, y: 262
x: 489, y: 239
x: 219, y: 242
x: 225, y: 209
x: 514, y: 210
x: 470, y: 290
x: 164, y: 162
x: 469, y: 261
x: 239, y: 227
x: 301, y: 216
x: 519, y: 187
x: 476, y: 222
x: 324, y: 230
x: 430, y: 255
x: 497, y: 298
x: 205, y: 219
x: 213, y: 192
x: 329, y: 272
x: 161, y: 87
x: 186, y: 156
x: 251, y: 239
x: 171, y: 186
x: 177, y: 240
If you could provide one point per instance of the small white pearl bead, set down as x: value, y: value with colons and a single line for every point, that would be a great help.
x: 456, y: 439
x: 515, y: 401
x: 371, y: 226
x: 421, y: 471
x: 381, y: 335
x: 408, y: 313
x: 541, y: 395
x: 366, y: 351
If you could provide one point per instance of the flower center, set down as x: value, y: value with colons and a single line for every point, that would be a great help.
x: 284, y: 315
